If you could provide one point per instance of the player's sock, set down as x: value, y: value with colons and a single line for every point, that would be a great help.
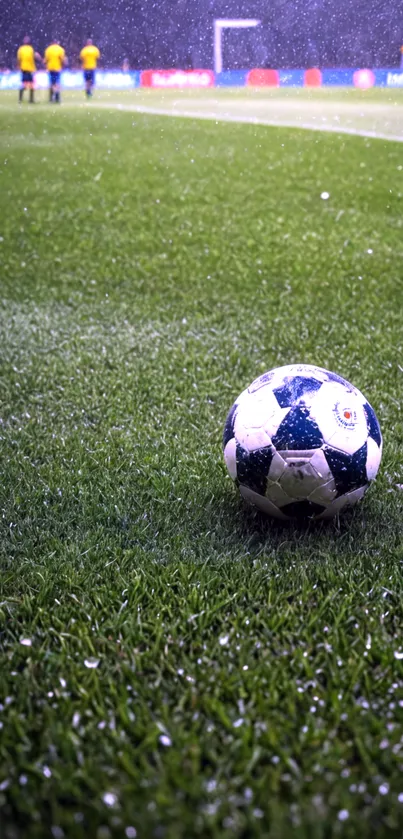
x: 20, y: 94
x: 57, y: 97
x: 31, y: 96
x: 50, y: 95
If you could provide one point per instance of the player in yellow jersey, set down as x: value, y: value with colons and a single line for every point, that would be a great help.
x: 89, y: 57
x: 26, y: 57
x: 55, y: 60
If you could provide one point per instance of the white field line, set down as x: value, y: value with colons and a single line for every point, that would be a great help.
x: 223, y: 117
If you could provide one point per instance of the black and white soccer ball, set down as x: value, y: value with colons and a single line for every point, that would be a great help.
x: 302, y: 442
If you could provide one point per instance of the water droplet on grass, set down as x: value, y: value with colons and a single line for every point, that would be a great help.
x: 110, y: 799
x: 91, y: 663
x: 211, y: 785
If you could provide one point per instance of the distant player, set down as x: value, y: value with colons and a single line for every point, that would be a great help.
x: 26, y: 57
x: 55, y: 60
x: 89, y: 57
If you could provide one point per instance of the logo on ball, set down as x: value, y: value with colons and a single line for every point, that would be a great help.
x: 346, y: 417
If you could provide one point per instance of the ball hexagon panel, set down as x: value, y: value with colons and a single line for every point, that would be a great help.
x: 257, y: 419
x: 277, y: 468
x: 252, y: 439
x: 278, y: 495
x: 340, y: 417
x: 342, y: 501
x: 300, y: 477
x: 320, y: 464
x: 262, y: 503
x: 257, y: 409
x: 324, y: 493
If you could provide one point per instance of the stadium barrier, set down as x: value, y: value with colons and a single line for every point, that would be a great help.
x: 73, y: 80
x: 362, y: 78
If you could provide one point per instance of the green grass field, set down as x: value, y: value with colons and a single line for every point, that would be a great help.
x: 172, y: 664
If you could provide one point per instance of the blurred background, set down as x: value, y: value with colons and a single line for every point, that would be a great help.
x: 179, y: 33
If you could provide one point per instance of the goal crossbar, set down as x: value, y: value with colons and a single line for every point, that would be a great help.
x: 227, y: 23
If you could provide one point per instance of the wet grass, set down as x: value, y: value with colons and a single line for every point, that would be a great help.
x: 171, y: 663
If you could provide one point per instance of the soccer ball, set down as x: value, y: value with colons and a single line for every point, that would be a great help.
x: 302, y: 442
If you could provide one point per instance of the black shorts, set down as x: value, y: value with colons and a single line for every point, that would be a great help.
x: 27, y: 78
x: 89, y: 76
x: 54, y: 77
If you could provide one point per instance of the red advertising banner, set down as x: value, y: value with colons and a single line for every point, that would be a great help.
x: 312, y: 77
x: 177, y: 78
x: 263, y: 78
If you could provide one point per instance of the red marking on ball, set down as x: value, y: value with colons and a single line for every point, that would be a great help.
x: 347, y: 414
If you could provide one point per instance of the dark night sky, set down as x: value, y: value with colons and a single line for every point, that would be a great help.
x: 179, y: 33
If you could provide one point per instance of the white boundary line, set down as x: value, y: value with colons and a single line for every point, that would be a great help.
x: 222, y: 117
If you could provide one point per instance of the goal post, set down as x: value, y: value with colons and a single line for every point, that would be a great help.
x: 223, y: 23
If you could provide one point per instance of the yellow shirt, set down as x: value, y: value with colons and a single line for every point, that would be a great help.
x: 26, y: 59
x: 89, y: 57
x: 54, y: 58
